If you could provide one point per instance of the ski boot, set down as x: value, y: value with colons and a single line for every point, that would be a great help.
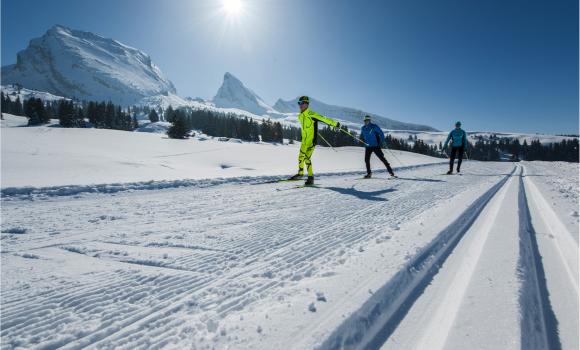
x: 367, y: 176
x: 393, y: 176
x: 309, y: 181
x: 295, y: 177
x: 450, y: 172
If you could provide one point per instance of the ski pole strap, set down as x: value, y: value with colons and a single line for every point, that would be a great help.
x: 351, y: 135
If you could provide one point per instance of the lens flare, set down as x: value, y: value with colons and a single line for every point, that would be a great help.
x: 233, y: 8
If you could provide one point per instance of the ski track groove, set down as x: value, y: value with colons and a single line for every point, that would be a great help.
x: 539, y: 326
x: 374, y: 322
x: 265, y: 248
x: 564, y: 242
x: 436, y: 334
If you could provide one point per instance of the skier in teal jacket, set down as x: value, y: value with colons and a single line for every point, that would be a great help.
x: 458, y: 145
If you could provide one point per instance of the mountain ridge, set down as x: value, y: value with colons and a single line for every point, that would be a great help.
x: 82, y: 65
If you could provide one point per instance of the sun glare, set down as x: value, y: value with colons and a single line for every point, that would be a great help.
x: 233, y: 8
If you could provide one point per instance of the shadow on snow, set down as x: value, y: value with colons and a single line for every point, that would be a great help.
x: 372, y: 196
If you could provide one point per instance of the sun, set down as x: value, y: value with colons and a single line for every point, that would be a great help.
x: 233, y: 8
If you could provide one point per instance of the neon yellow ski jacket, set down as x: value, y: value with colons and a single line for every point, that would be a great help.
x: 309, y: 123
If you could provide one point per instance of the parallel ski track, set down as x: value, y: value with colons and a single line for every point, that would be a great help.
x: 375, y: 321
x: 539, y: 326
x: 436, y: 333
x: 564, y: 242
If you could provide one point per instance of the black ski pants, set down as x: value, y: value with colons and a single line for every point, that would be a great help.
x: 379, y: 152
x: 459, y: 152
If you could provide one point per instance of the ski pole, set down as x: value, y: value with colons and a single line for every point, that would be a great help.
x: 328, y: 143
x: 393, y: 154
x: 445, y: 153
x: 351, y: 135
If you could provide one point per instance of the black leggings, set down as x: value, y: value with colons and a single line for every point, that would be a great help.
x: 379, y: 152
x: 455, y: 150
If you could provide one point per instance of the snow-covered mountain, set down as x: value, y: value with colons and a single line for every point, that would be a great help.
x: 86, y: 66
x: 234, y: 94
x: 77, y: 64
x: 349, y: 114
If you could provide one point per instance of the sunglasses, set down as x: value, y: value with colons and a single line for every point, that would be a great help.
x: 302, y: 103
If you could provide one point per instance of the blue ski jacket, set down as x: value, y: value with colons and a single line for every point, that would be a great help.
x: 372, y: 135
x: 459, y: 137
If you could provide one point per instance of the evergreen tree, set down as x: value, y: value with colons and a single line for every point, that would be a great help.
x: 17, y: 106
x: 169, y: 114
x: 178, y: 129
x: 278, y: 134
x: 153, y: 116
x: 266, y: 131
x: 109, y: 115
x: 41, y: 111
x: 135, y: 122
x: 66, y: 114
x: 5, y: 103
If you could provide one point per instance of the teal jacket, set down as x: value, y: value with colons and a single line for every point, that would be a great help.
x: 459, y: 137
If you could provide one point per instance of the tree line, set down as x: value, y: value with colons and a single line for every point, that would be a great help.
x: 494, y: 149
x: 233, y: 126
x: 418, y: 146
x: 107, y: 115
x: 103, y: 115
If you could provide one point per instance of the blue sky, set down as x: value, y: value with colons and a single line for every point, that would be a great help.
x: 502, y: 65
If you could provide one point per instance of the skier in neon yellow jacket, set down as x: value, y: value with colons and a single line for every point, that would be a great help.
x: 309, y: 123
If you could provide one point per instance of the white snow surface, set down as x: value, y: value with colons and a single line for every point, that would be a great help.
x: 46, y: 156
x: 485, y: 260
x: 13, y: 92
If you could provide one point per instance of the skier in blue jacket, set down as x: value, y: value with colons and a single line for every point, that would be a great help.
x: 373, y: 136
x: 458, y: 146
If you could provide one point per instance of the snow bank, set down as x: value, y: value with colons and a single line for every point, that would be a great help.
x: 29, y: 192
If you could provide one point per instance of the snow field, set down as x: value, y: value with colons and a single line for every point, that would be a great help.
x: 113, y: 160
x: 194, y: 267
x: 196, y: 251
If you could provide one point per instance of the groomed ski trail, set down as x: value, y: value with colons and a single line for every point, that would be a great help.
x: 180, y: 266
x: 466, y: 299
x: 559, y: 258
x: 380, y: 316
x: 239, y: 266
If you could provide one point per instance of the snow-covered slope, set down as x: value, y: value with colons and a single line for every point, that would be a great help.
x: 234, y: 94
x: 53, y: 156
x: 14, y: 92
x: 86, y: 66
x: 348, y: 114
